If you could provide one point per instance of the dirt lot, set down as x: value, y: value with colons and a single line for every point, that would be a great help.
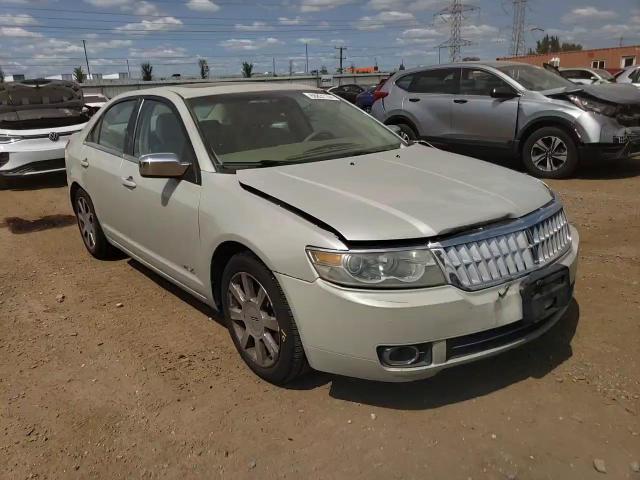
x: 126, y: 377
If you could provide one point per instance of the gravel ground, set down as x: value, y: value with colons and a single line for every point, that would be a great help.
x: 107, y: 371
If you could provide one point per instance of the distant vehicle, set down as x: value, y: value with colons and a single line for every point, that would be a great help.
x: 37, y: 118
x: 349, y: 92
x: 629, y: 75
x: 94, y: 102
x: 586, y: 76
x: 365, y: 99
x: 322, y: 237
x: 548, y: 122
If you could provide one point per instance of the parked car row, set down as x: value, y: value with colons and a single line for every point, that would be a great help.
x: 37, y: 118
x: 536, y: 115
x: 322, y: 237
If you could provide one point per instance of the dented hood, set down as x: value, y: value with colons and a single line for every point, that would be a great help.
x: 622, y: 93
x: 410, y: 193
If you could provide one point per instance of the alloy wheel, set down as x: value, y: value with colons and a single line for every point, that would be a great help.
x: 86, y: 221
x: 549, y: 153
x: 253, y: 319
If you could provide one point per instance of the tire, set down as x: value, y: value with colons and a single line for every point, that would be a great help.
x: 93, y: 237
x: 257, y: 325
x: 407, y: 133
x: 550, y: 152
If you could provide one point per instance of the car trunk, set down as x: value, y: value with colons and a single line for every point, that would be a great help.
x: 39, y: 104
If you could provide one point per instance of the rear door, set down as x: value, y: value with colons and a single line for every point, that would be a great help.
x: 479, y: 118
x: 428, y: 100
x: 163, y: 212
x: 101, y: 159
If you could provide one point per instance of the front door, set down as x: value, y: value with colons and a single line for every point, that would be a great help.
x: 428, y: 100
x: 164, y: 211
x: 479, y: 118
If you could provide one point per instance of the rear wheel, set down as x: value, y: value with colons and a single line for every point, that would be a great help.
x: 92, y: 235
x: 550, y: 152
x: 260, y: 321
x: 407, y: 133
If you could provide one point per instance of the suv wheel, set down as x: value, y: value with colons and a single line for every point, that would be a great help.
x: 550, y: 152
x: 90, y: 229
x: 407, y: 133
x: 260, y: 321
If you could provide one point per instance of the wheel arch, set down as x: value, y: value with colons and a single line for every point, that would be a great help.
x: 544, y: 122
x: 73, y: 190
x: 397, y: 119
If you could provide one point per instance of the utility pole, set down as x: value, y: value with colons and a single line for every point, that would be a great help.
x: 454, y: 14
x: 84, y: 44
x: 274, y: 66
x: 290, y: 68
x: 306, y: 58
x: 517, y: 32
x: 128, y: 71
x: 342, y: 58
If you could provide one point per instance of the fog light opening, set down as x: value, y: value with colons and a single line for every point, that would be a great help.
x: 400, y: 356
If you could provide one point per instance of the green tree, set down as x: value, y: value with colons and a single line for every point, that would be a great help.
x: 146, y: 69
x: 204, y: 68
x: 247, y: 69
x: 79, y: 75
x: 551, y: 44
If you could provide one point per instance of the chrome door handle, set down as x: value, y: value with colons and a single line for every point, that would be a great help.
x: 128, y: 182
x: 84, y: 163
x: 460, y: 100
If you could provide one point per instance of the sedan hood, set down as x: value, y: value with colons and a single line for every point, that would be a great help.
x: 410, y: 193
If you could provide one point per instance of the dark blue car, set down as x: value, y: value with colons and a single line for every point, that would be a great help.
x: 365, y: 99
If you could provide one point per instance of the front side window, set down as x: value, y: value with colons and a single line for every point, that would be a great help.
x: 265, y: 128
x: 441, y: 80
x: 160, y: 130
x: 479, y: 82
x: 113, y: 129
x: 535, y: 78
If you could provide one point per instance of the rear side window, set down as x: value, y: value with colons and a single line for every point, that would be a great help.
x: 112, y: 132
x: 441, y: 80
x: 404, y: 82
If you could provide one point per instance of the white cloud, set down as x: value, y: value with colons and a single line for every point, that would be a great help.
x: 20, y: 19
x: 588, y: 13
x: 107, y: 3
x: 404, y: 5
x: 17, y: 32
x: 255, y: 26
x: 420, y: 34
x: 310, y: 41
x: 290, y: 21
x: 320, y: 5
x: 161, y: 24
x: 146, y: 8
x: 202, y: 6
x: 240, y: 44
x: 383, y: 18
x: 475, y: 31
x: 156, y: 52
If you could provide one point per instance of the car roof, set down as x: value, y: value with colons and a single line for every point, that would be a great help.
x: 489, y: 63
x: 205, y: 89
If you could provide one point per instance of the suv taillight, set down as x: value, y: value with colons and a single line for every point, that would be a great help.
x: 379, y: 94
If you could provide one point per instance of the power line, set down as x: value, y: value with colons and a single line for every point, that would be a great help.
x: 454, y: 14
x: 517, y: 32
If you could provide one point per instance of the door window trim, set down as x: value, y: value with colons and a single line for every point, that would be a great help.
x: 129, y: 156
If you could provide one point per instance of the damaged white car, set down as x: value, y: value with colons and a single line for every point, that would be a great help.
x: 322, y: 237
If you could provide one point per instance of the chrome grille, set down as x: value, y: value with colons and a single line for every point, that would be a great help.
x: 494, y: 259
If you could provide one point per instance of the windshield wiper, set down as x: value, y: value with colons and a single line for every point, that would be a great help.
x: 322, y: 149
x: 259, y: 163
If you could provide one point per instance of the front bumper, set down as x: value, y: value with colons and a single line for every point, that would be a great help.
x: 32, y: 157
x: 342, y: 328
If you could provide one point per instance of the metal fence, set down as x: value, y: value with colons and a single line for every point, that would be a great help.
x: 111, y: 88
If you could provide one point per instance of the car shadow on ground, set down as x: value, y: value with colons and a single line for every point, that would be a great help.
x: 536, y: 359
x: 20, y: 226
x: 36, y: 182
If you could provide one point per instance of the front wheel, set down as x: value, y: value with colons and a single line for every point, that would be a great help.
x: 550, y: 152
x: 260, y: 321
x: 92, y: 235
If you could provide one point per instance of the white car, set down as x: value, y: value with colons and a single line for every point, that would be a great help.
x: 322, y: 237
x: 37, y: 118
x: 587, y: 76
x: 629, y: 75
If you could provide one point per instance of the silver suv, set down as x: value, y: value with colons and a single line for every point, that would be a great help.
x: 545, y: 120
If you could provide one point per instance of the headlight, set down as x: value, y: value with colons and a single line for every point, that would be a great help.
x: 593, y: 105
x: 411, y: 268
x: 8, y: 138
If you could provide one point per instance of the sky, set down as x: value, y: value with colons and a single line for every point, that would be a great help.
x: 44, y: 37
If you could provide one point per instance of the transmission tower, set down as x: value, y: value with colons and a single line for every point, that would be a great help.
x: 454, y: 14
x: 517, y: 34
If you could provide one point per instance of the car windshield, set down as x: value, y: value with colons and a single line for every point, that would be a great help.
x: 280, y: 127
x: 535, y: 78
x: 604, y: 74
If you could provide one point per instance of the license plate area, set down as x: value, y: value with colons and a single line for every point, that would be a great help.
x: 545, y: 293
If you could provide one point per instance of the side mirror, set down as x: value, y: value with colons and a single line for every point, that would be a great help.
x: 162, y: 165
x: 503, y: 92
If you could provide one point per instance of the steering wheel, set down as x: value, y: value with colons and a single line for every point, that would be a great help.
x: 321, y: 135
